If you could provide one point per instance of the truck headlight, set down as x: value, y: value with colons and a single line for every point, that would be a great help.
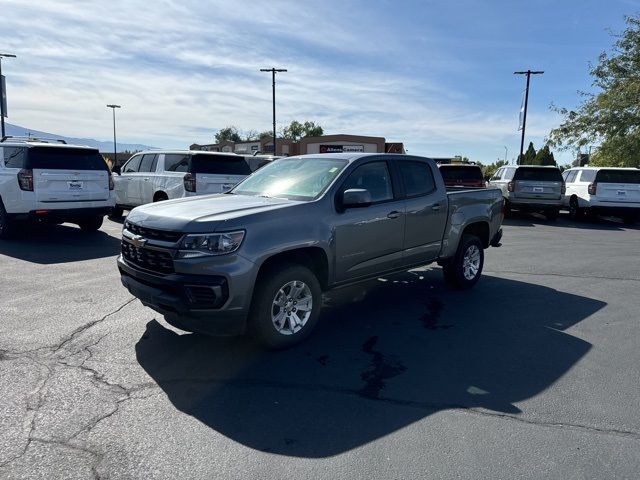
x: 201, y: 245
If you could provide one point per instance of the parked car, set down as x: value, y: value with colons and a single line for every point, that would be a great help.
x: 51, y: 181
x: 258, y: 257
x: 530, y: 188
x: 608, y: 191
x: 258, y: 161
x: 159, y: 175
x: 467, y: 176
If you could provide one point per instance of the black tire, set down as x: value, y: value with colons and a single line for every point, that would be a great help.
x: 116, y: 213
x: 629, y: 219
x: 6, y: 223
x: 552, y: 215
x: 91, y: 224
x: 160, y: 197
x: 575, y: 212
x: 454, y: 270
x: 507, y: 208
x: 275, y: 280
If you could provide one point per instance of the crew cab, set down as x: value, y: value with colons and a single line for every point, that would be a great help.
x: 258, y: 257
x: 157, y: 175
x: 51, y: 181
x: 607, y: 191
x: 530, y: 188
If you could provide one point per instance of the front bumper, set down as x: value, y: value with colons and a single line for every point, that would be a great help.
x: 201, y: 303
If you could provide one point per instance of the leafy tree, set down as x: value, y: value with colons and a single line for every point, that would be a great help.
x: 296, y: 130
x: 489, y: 170
x: 529, y: 157
x: 544, y: 157
x: 265, y: 134
x: 609, y: 117
x: 228, y: 133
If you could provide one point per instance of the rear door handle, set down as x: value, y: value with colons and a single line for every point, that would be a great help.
x: 435, y: 207
x: 393, y: 214
x: 147, y: 179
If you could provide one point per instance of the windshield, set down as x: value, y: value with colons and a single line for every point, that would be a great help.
x: 293, y: 178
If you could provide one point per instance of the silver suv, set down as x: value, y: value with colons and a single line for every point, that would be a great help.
x: 530, y: 188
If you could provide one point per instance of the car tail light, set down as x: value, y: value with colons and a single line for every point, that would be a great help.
x: 25, y: 180
x: 190, y: 182
x: 111, y: 184
x: 563, y: 189
x: 511, y: 187
x: 592, y: 188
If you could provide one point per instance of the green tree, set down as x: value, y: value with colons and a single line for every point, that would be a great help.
x: 228, y: 133
x: 544, y: 157
x: 489, y: 170
x: 609, y: 117
x: 529, y: 157
x: 296, y: 130
x: 265, y: 134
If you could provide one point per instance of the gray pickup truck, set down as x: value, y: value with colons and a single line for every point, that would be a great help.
x: 258, y: 258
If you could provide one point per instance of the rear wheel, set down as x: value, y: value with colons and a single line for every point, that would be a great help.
x: 160, y: 197
x: 629, y: 219
x: 6, y: 223
x: 286, y: 306
x: 575, y: 212
x: 91, y: 224
x: 465, y: 268
x: 116, y: 213
x: 552, y: 214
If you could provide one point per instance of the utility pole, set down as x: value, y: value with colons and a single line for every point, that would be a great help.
x: 115, y: 150
x: 273, y: 76
x: 506, y: 154
x: 3, y: 94
x: 528, y: 73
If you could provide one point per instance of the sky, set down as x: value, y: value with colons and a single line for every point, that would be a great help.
x: 434, y: 74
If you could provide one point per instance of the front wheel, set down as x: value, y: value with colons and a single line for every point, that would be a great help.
x: 465, y: 268
x: 91, y: 224
x: 116, y: 213
x: 286, y: 306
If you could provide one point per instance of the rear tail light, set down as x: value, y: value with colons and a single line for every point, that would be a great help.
x: 25, y: 180
x: 563, y: 189
x: 190, y: 182
x: 592, y: 188
x: 111, y: 184
x: 511, y: 187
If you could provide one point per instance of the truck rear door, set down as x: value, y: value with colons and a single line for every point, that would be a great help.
x: 67, y: 175
x: 425, y: 211
x: 620, y: 186
x: 218, y: 173
x: 538, y: 183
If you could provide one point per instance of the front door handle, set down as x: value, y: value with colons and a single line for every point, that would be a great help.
x: 147, y: 179
x: 393, y: 214
x: 435, y: 207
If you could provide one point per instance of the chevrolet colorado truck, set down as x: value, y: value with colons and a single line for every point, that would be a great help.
x: 257, y: 258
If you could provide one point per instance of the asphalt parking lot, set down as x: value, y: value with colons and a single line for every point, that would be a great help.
x: 532, y: 374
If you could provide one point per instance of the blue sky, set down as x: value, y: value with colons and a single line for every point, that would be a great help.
x: 437, y: 75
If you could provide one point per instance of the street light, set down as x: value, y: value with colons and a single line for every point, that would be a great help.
x: 115, y: 151
x: 528, y: 73
x: 3, y: 93
x: 273, y: 75
x: 506, y: 154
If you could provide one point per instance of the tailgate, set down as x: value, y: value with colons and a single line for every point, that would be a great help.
x: 212, y: 183
x: 538, y: 189
x: 618, y: 192
x: 70, y: 185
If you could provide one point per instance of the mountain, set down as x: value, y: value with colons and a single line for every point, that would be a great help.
x: 18, y: 131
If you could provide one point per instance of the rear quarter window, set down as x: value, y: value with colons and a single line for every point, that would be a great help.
x: 220, y: 165
x: 618, y: 176
x: 60, y: 158
x: 588, y: 176
x: 538, y: 174
x: 461, y: 173
x: 14, y: 157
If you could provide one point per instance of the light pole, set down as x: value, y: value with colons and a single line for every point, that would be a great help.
x: 115, y: 150
x: 506, y: 154
x: 528, y: 73
x: 273, y: 76
x: 3, y: 93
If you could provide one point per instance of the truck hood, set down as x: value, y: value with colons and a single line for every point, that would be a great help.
x: 203, y: 214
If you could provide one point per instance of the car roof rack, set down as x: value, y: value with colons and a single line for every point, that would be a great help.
x: 32, y: 139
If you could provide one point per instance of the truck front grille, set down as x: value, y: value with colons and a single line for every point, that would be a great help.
x: 148, y: 259
x: 153, y: 233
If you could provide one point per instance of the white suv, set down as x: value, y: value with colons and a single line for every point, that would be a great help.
x: 162, y: 175
x: 604, y: 190
x: 52, y: 182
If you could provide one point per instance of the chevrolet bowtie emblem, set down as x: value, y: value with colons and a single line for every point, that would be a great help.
x: 138, y: 241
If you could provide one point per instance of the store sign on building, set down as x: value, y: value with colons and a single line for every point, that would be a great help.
x: 341, y: 148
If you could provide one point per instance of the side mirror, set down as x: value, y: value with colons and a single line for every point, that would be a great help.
x: 117, y: 169
x: 356, y: 198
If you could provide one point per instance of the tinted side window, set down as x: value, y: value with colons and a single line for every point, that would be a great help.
x: 497, y: 175
x: 373, y: 177
x: 572, y: 176
x: 588, y: 176
x: 148, y: 163
x: 509, y: 173
x: 176, y: 162
x: 14, y: 157
x: 220, y: 164
x: 417, y: 178
x: 132, y: 165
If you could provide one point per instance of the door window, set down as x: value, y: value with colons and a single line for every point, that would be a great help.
x: 148, y: 163
x: 572, y: 176
x: 417, y: 178
x: 132, y: 165
x: 373, y: 177
x: 497, y: 175
x: 509, y: 172
x: 588, y: 176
